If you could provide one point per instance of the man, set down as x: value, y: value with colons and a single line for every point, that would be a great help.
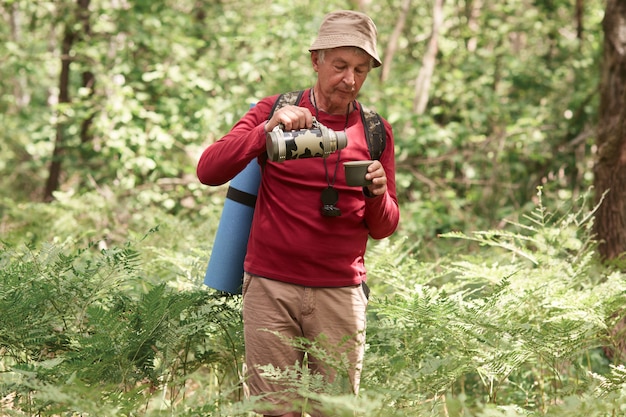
x: 304, y: 266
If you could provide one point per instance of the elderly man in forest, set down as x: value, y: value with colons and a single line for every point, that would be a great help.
x: 304, y: 267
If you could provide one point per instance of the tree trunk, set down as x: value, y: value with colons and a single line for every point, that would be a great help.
x: 69, y: 37
x: 392, y: 45
x: 580, y: 10
x: 89, y: 78
x: 422, y: 83
x: 610, y: 167
x: 20, y: 83
x: 473, y: 14
x: 54, y: 172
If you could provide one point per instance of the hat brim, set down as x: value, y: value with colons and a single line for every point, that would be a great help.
x: 334, y: 41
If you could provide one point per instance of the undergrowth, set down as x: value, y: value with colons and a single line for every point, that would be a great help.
x: 73, y: 320
x: 525, y: 323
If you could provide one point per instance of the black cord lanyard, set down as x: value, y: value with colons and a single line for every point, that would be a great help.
x: 330, y: 196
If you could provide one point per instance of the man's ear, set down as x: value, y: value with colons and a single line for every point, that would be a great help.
x: 315, y: 60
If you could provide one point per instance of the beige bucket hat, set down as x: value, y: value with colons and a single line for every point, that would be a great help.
x: 348, y: 28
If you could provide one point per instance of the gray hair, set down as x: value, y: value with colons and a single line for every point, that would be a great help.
x: 321, y: 54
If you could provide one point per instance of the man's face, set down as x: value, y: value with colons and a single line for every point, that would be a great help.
x: 340, y: 75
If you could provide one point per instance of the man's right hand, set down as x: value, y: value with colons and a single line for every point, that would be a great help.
x: 291, y: 117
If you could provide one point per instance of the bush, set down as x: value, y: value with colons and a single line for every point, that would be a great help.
x: 78, y: 319
x: 520, y: 324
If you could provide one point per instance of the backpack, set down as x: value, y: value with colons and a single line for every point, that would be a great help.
x: 374, y: 128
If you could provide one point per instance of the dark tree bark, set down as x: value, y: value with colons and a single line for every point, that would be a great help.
x: 580, y: 11
x: 610, y: 167
x: 89, y: 78
x: 69, y: 37
x: 54, y: 172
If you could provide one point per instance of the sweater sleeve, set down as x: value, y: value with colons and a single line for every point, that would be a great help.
x: 223, y: 160
x: 382, y: 213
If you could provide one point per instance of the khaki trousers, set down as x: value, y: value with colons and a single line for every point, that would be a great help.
x: 288, y: 326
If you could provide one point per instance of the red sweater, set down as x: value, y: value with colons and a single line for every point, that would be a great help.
x: 290, y: 240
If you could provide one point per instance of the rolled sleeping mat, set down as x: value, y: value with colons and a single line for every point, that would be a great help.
x: 225, y: 269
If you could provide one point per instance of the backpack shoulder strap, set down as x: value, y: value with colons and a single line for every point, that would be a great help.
x: 292, y: 98
x: 374, y: 131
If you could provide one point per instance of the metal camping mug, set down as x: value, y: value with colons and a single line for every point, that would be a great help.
x: 319, y: 141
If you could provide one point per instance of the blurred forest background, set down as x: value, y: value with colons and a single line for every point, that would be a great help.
x: 501, y: 293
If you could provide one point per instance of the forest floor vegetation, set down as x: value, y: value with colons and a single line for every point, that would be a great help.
x: 518, y: 321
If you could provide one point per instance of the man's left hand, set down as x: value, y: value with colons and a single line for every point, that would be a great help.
x: 376, y: 173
